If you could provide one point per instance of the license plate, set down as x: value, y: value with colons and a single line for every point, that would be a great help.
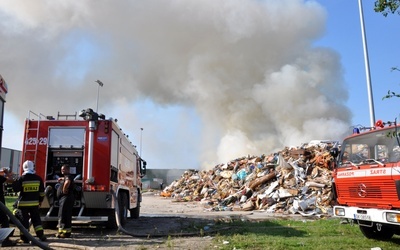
x: 362, y: 217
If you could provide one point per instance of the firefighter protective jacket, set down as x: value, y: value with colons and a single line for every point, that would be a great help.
x: 31, y: 190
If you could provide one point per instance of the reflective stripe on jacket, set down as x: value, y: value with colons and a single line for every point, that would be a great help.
x: 31, y: 190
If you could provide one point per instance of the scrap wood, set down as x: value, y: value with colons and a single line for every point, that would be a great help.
x: 268, y: 182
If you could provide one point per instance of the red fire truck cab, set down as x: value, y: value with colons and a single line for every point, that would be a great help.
x: 101, y: 157
x: 367, y: 180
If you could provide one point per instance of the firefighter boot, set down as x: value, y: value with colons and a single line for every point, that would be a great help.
x: 40, y: 235
x: 63, y: 235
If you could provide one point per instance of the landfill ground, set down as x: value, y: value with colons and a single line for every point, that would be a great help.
x: 163, y: 224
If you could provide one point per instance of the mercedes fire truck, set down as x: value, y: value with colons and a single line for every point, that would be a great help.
x: 106, y: 166
x: 367, y: 180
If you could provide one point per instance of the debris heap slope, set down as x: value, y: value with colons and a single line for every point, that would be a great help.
x: 290, y: 181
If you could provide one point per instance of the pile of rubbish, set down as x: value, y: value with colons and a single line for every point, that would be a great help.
x: 292, y: 181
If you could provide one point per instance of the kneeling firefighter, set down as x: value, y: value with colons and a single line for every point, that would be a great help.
x: 65, y: 195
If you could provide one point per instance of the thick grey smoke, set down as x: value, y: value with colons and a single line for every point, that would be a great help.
x: 246, y: 70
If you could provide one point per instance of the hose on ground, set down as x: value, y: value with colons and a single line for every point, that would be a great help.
x: 26, y: 233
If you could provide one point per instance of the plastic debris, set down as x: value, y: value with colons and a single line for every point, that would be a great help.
x: 296, y: 180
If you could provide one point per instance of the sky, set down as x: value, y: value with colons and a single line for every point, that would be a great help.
x: 199, y: 83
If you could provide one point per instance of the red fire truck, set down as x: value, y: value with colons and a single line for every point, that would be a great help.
x: 367, y: 180
x: 101, y: 157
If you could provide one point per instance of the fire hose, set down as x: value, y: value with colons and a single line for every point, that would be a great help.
x: 23, y: 230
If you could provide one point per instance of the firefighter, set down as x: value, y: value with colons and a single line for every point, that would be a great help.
x: 30, y: 198
x: 65, y: 194
x: 5, y: 177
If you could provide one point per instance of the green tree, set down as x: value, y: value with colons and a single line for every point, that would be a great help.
x: 387, y: 6
x: 391, y: 94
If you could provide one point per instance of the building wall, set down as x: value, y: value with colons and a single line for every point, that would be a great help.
x: 10, y: 158
x: 154, y: 177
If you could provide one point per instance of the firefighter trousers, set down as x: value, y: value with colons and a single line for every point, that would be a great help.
x: 65, y: 214
x: 32, y: 212
x: 3, y: 217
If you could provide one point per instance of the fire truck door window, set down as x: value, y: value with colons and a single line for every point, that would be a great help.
x: 66, y: 137
x: 360, y: 153
x: 394, y: 155
x: 126, y: 161
x: 381, y: 153
x: 355, y: 153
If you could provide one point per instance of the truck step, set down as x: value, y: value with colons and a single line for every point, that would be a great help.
x: 5, y: 233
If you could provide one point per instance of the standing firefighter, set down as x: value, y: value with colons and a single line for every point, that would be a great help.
x: 65, y: 195
x: 30, y: 198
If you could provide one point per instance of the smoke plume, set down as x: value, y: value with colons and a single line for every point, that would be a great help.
x: 208, y: 80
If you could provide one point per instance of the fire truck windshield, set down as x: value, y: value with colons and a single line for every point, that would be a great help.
x: 380, y: 146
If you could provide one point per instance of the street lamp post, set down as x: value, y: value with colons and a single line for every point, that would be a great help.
x: 98, y: 93
x: 141, y: 132
x: 3, y: 92
x: 367, y: 71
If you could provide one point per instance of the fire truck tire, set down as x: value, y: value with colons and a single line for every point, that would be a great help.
x: 123, y: 208
x: 135, y: 212
x: 372, y: 233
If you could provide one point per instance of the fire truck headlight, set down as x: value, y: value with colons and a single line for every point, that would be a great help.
x: 339, y: 211
x: 393, y: 217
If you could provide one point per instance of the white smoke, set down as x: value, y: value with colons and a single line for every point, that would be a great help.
x: 245, y: 70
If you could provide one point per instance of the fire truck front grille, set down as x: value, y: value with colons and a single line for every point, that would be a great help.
x: 368, y: 190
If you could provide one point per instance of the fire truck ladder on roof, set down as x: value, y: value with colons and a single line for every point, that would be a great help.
x: 67, y: 117
x: 38, y: 117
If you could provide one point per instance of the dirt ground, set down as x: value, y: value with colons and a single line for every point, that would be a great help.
x: 163, y: 224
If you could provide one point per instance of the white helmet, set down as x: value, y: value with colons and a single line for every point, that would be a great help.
x: 28, y: 166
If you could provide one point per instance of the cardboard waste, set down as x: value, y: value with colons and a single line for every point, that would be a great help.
x: 296, y: 180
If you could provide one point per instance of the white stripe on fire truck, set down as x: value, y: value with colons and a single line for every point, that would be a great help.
x: 368, y: 172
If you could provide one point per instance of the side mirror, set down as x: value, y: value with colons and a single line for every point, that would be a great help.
x: 143, y: 168
x: 334, y: 152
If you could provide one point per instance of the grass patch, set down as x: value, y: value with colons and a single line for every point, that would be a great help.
x: 298, y: 234
x: 10, y: 201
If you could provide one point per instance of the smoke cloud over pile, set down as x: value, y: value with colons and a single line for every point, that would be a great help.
x: 208, y: 80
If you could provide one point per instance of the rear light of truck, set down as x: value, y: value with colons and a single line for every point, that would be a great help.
x: 393, y: 217
x: 93, y: 188
x: 339, y: 211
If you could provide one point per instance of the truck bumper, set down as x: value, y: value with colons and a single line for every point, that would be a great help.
x: 367, y: 216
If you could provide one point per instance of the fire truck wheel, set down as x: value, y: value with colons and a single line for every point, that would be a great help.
x: 123, y: 208
x: 372, y: 233
x: 135, y: 212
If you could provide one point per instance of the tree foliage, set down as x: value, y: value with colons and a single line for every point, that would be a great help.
x: 391, y: 94
x: 387, y: 6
